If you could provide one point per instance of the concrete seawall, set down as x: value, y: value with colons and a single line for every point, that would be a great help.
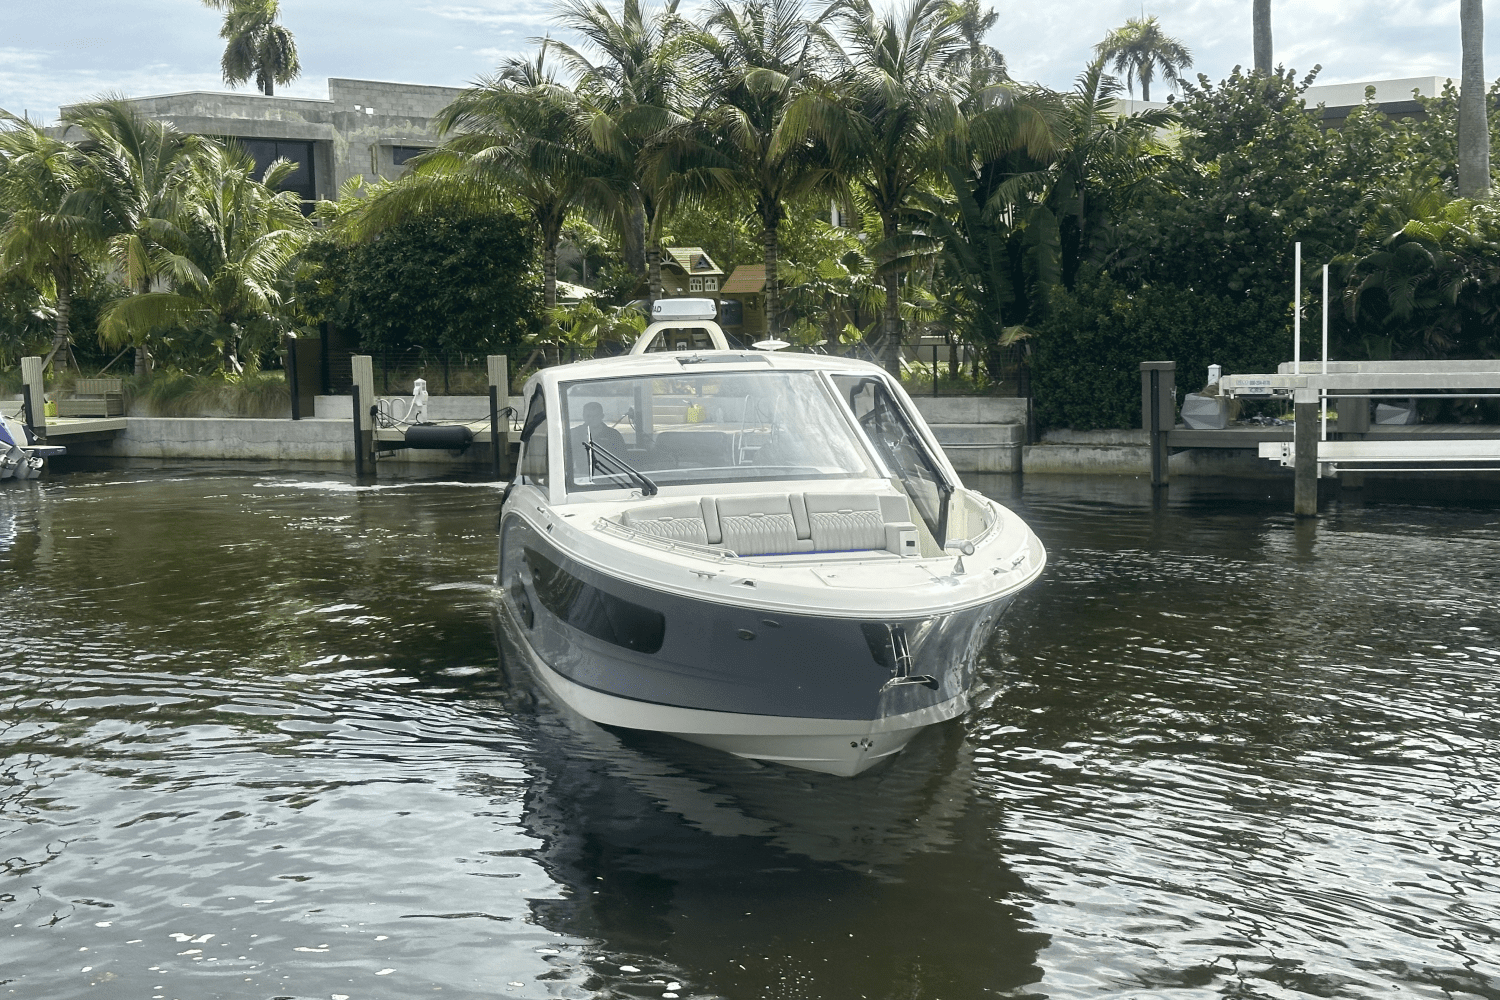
x: 979, y: 434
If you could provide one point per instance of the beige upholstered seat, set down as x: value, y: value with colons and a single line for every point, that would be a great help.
x: 681, y: 522
x: 784, y: 523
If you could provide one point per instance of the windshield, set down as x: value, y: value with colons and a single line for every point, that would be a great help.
x: 718, y: 427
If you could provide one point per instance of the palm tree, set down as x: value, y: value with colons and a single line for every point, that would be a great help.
x: 257, y: 45
x: 54, y: 229
x: 759, y: 55
x: 520, y: 134
x: 1105, y: 152
x: 637, y: 89
x: 1473, y: 122
x: 900, y: 105
x: 977, y: 63
x: 1001, y: 242
x: 227, y: 260
x: 142, y: 164
x: 1139, y: 49
x: 1262, y: 18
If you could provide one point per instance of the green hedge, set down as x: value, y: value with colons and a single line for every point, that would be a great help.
x: 1089, y: 349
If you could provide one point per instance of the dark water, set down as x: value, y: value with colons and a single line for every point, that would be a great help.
x: 258, y: 743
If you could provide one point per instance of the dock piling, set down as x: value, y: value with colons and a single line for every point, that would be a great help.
x: 1158, y: 412
x: 364, y: 403
x: 34, y: 395
x: 291, y: 375
x: 1305, y: 436
x: 499, y: 429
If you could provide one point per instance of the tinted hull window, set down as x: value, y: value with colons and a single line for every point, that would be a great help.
x: 592, y: 611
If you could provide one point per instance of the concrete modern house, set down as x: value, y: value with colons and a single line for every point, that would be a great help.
x: 364, y: 127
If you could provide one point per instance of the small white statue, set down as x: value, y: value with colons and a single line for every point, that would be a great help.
x: 419, y: 401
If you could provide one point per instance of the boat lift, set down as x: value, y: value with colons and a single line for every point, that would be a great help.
x: 1312, y: 454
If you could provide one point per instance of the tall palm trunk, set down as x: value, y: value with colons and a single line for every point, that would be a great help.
x: 551, y: 236
x: 1473, y: 123
x: 1263, y: 36
x: 62, y: 333
x: 653, y: 270
x: 890, y: 341
x: 773, y: 286
x: 633, y: 236
x: 142, y: 355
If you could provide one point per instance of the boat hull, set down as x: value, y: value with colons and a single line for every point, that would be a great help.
x: 824, y: 692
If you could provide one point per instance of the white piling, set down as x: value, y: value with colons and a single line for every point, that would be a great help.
x: 1297, y: 314
x: 33, y: 382
x: 1325, y: 349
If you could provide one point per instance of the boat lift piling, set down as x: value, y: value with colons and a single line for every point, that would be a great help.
x: 1158, y: 412
x: 364, y: 412
x: 378, y: 432
x: 34, y: 397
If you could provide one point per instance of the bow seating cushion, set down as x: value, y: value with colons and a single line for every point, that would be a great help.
x: 681, y: 522
x: 781, y: 523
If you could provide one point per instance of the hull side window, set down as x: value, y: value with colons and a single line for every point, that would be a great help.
x: 593, y: 611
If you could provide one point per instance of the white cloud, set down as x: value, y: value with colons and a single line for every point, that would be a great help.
x: 55, y: 55
x: 504, y: 17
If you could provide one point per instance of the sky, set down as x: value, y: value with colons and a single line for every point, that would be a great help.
x: 55, y: 52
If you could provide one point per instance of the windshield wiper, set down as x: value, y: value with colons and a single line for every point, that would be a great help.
x: 622, y: 467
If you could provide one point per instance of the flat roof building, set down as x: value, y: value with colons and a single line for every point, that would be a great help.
x: 364, y: 127
x: 1394, y: 98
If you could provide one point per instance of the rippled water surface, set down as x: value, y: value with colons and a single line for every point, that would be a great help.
x: 259, y: 742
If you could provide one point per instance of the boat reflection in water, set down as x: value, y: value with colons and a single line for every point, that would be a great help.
x: 738, y: 879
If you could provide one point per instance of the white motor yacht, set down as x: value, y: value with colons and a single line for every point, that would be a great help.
x: 760, y: 552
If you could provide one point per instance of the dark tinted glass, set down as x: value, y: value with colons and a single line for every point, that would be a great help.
x: 400, y: 154
x: 267, y: 151
x: 731, y: 312
x: 592, y: 611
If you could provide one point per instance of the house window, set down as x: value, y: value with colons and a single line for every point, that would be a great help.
x: 400, y: 154
x: 710, y: 284
x: 695, y: 284
x: 267, y: 151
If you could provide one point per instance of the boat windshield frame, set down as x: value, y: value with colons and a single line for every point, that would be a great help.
x: 730, y: 430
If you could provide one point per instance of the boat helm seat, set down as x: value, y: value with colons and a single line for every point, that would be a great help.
x: 784, y: 523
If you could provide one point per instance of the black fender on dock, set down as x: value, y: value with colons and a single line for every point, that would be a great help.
x: 442, y: 437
